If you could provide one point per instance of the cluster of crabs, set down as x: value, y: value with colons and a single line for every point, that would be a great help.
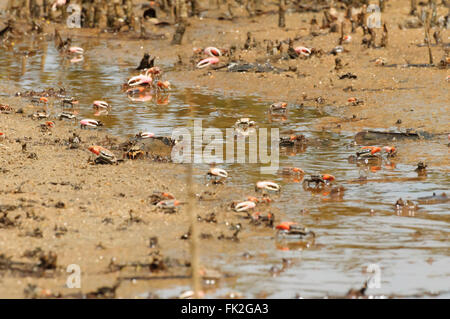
x: 256, y: 208
x: 143, y: 87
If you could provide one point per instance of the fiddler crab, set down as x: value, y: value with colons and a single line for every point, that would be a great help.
x: 47, y: 126
x: 67, y: 115
x: 70, y: 102
x: 212, y: 52
x: 101, y: 105
x: 278, y: 108
x: 5, y: 108
x: 169, y: 206
x: 218, y: 175
x: 354, y: 101
x: 319, y: 181
x: 257, y: 218
x: 267, y: 186
x: 292, y: 140
x: 250, y: 203
x: 244, y: 126
x: 303, y: 51
x: 135, y: 152
x: 85, y: 123
x: 39, y: 115
x: 245, y: 206
x: 292, y: 171
x: 39, y: 100
x: 370, y: 153
x: 151, y: 78
x: 158, y: 196
x: 105, y: 156
x: 293, y: 229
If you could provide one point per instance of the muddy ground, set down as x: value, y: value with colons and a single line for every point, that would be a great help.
x: 54, y: 200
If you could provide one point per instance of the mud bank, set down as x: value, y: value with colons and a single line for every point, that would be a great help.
x: 100, y: 217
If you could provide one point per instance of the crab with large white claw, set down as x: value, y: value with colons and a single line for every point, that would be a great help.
x: 141, y: 79
x: 144, y: 135
x: 101, y: 105
x: 267, y: 185
x: 218, y: 175
x: 212, y: 51
x: 303, y: 51
x: 207, y: 62
x: 245, y: 206
x: 90, y: 123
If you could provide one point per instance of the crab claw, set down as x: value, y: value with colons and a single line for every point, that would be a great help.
x: 165, y: 85
x: 90, y: 123
x: 76, y: 50
x: 50, y: 124
x: 303, y: 51
x: 140, y: 80
x: 96, y: 149
x: 328, y: 177
x: 43, y: 99
x: 292, y: 171
x: 145, y: 135
x: 168, y: 203
x: 101, y: 105
x: 245, y: 206
x: 271, y: 186
x: 285, y: 226
x: 154, y: 70
x: 252, y: 199
x: 390, y: 149
x: 206, y: 62
x: 77, y: 59
x: 279, y: 106
x: 212, y: 51
x: 347, y: 39
x: 219, y: 172
x: 215, y: 171
x: 373, y: 149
